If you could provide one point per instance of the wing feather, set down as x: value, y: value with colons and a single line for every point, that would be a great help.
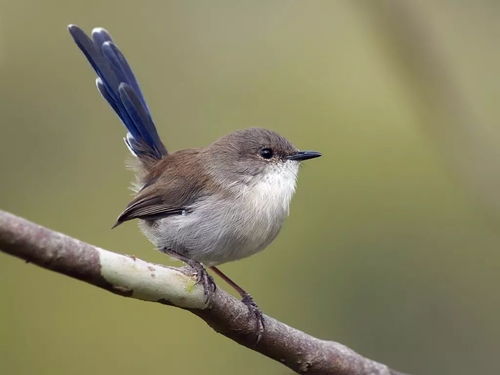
x: 171, y: 188
x: 148, y: 208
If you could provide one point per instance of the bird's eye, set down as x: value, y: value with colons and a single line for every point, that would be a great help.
x: 266, y: 153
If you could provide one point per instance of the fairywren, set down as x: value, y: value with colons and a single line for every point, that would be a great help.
x: 204, y: 206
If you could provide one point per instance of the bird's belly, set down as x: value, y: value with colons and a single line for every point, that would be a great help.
x: 220, y: 229
x: 217, y: 231
x: 213, y: 235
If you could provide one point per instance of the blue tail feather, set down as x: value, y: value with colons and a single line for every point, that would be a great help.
x: 118, y: 85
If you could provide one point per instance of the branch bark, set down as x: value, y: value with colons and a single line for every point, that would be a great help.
x: 131, y: 277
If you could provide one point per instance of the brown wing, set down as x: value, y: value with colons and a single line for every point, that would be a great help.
x: 172, y: 185
x: 147, y: 208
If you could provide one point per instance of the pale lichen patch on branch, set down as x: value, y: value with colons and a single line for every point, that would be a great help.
x: 126, y: 273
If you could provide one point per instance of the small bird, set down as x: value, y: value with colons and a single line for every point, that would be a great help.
x: 203, y: 206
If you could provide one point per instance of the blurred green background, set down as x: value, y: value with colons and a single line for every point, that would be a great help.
x: 392, y: 247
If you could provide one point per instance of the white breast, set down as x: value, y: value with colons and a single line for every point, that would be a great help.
x: 224, y: 228
x: 270, y: 196
x: 265, y: 205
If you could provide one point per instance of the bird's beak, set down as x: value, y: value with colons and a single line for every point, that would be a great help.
x: 304, y: 155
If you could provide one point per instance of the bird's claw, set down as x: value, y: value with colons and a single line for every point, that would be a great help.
x: 204, y: 279
x: 257, y: 313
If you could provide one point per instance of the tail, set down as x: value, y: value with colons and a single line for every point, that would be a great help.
x: 117, y: 84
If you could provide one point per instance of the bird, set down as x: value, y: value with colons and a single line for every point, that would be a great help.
x: 203, y: 206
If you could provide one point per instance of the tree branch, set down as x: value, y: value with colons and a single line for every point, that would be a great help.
x: 132, y: 277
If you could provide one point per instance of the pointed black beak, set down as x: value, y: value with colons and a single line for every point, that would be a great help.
x: 304, y: 155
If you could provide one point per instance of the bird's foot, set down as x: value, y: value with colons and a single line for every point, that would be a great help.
x: 257, y: 314
x: 203, y: 278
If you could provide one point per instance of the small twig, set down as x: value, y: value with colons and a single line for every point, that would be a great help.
x: 132, y: 277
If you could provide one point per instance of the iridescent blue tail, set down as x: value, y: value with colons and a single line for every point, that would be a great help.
x: 118, y: 86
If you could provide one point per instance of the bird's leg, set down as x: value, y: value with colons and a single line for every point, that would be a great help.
x: 247, y: 299
x: 202, y: 276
